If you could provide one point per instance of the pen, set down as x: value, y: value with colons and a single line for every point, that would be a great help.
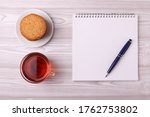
x: 121, y: 53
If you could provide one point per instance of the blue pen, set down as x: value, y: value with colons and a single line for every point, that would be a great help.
x: 121, y: 53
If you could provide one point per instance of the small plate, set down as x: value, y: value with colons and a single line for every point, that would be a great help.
x: 49, y: 32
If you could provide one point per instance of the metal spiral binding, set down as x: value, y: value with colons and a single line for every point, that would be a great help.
x: 105, y: 15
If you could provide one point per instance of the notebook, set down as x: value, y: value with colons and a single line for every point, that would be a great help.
x: 97, y: 40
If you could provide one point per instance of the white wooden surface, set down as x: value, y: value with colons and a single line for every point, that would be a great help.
x: 13, y: 86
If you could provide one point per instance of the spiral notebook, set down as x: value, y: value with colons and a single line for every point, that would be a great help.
x: 97, y: 39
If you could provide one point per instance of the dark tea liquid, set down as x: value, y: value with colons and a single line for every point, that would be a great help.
x: 35, y: 67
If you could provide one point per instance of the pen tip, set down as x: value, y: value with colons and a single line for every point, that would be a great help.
x: 106, y: 75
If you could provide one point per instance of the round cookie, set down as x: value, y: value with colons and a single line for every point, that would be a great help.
x: 33, y: 27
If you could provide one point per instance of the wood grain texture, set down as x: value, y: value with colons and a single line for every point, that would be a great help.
x: 13, y: 86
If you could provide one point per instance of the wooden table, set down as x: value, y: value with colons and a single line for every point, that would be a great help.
x: 13, y: 86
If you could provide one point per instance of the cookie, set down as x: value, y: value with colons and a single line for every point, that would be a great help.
x: 33, y: 27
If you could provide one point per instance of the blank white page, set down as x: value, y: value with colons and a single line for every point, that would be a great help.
x: 97, y: 40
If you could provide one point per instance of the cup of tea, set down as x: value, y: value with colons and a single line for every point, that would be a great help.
x: 35, y: 67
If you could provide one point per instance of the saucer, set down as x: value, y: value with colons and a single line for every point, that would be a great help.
x: 49, y: 32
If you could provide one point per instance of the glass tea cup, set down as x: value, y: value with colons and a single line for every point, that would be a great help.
x: 35, y: 67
